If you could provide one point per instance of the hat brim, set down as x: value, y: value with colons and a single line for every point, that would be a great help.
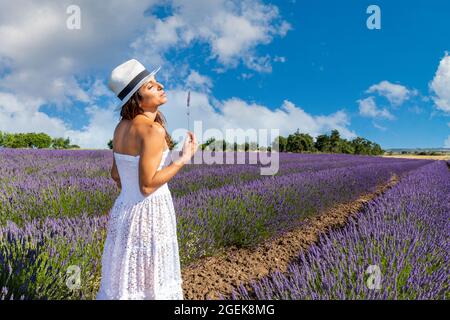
x: 136, y: 88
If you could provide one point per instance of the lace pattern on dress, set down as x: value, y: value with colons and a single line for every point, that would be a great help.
x: 141, y: 257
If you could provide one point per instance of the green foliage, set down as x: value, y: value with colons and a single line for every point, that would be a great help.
x: 332, y: 143
x: 299, y: 142
x: 33, y: 140
x: 364, y: 146
x: 280, y: 144
x: 60, y: 143
x: 204, y: 146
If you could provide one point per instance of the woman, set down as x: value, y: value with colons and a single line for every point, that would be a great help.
x: 140, y: 257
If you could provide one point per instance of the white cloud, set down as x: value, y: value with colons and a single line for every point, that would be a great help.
x: 231, y: 29
x: 47, y: 59
x: 368, y: 108
x: 440, y: 85
x: 98, y: 131
x: 236, y: 113
x: 259, y: 64
x: 380, y: 127
x: 22, y: 115
x: 198, y: 81
x: 42, y: 62
x: 395, y: 93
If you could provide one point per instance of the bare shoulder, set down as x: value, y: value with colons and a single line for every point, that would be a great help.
x: 150, y: 128
x: 150, y: 131
x: 117, y: 128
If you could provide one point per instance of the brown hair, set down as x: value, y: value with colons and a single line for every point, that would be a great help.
x: 132, y: 108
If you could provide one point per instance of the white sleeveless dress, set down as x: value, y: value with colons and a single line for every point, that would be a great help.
x: 140, y: 258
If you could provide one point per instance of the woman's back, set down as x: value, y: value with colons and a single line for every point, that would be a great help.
x: 140, y: 258
x: 128, y: 169
x: 126, y: 152
x: 127, y: 135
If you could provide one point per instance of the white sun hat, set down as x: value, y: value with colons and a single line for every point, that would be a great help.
x: 127, y: 78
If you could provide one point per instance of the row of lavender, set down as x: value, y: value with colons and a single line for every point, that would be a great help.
x: 61, y: 183
x: 396, y: 248
x: 36, y: 253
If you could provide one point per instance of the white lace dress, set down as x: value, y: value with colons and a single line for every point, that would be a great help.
x: 140, y: 257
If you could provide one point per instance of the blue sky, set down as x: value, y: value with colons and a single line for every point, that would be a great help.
x: 312, y: 65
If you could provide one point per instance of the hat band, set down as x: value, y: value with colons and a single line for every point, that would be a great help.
x: 125, y: 91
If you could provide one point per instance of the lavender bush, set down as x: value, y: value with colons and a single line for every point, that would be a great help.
x: 404, y: 233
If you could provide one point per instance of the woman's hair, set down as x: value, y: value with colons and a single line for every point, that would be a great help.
x: 131, y: 109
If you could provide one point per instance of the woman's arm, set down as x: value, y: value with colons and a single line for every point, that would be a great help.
x: 115, y: 174
x: 152, y: 147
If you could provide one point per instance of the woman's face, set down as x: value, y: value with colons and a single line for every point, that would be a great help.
x: 152, y: 94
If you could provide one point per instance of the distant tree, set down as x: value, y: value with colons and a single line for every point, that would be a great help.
x: 33, y: 140
x: 224, y: 145
x: 303, y: 142
x: 40, y: 140
x: 9, y: 141
x: 253, y: 146
x: 299, y: 142
x: 335, y: 141
x: 376, y: 149
x: 282, y: 143
x: 323, y: 143
x: 60, y: 143
x: 362, y: 146
x: 347, y: 147
x: 217, y: 145
x: 110, y: 144
x: 307, y: 142
x: 204, y: 146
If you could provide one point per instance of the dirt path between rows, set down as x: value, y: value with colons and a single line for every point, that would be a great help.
x: 208, y: 276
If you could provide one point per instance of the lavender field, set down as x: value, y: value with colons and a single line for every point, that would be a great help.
x: 54, y: 210
x: 405, y: 233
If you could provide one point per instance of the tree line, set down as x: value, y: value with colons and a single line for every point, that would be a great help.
x: 302, y: 142
x: 39, y: 140
x: 327, y: 143
x: 296, y: 142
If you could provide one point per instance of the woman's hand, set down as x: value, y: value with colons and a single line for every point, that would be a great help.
x: 190, y: 146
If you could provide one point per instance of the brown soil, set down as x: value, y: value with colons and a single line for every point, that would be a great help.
x: 418, y: 156
x: 208, y: 276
